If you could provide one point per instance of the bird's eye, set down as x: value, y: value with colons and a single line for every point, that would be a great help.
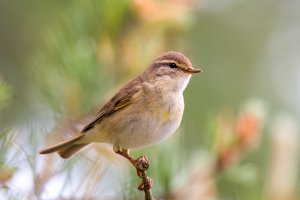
x: 172, y: 65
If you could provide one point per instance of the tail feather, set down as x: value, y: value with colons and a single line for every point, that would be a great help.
x: 70, y: 150
x: 62, y: 145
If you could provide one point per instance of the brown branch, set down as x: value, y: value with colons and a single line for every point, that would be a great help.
x: 142, y: 165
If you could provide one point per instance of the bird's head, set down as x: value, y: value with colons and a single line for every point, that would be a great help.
x: 173, y: 69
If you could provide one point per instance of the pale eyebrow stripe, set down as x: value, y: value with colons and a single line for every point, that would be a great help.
x: 169, y: 61
x: 166, y: 62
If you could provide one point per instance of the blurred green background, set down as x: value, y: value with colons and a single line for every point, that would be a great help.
x: 239, y: 139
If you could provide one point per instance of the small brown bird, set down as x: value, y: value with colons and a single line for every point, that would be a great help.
x: 147, y: 110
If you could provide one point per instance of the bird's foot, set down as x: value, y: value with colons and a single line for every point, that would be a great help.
x: 141, y: 165
x: 125, y: 154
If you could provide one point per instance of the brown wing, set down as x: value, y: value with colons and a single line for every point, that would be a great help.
x: 122, y: 99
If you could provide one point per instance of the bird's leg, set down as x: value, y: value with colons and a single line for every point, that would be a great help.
x: 125, y: 154
x: 141, y: 164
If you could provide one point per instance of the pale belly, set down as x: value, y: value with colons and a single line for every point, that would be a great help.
x: 141, y: 127
x: 146, y: 131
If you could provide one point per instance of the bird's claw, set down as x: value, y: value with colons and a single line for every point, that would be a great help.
x: 142, y: 165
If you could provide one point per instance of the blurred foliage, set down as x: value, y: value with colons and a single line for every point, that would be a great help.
x: 5, y: 95
x: 60, y: 61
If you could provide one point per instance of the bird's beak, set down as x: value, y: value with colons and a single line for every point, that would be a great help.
x: 191, y: 70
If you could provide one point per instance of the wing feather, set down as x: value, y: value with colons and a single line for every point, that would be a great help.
x: 121, y: 100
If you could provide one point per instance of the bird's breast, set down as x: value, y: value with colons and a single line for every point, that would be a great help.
x: 167, y: 116
x: 170, y: 108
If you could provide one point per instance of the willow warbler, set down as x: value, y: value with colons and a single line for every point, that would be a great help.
x: 147, y: 110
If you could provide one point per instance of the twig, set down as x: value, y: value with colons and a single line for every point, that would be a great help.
x: 142, y: 165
